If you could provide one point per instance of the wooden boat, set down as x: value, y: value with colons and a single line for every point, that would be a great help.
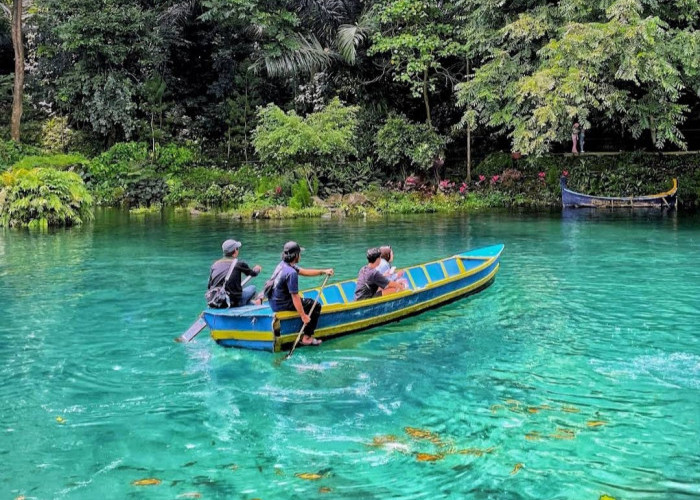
x: 666, y: 199
x: 429, y: 285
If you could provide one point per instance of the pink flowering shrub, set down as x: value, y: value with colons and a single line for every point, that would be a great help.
x: 446, y: 186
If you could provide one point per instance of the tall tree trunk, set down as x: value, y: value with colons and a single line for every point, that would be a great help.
x: 469, y: 143
x: 469, y: 153
x: 19, y: 69
x: 425, y: 97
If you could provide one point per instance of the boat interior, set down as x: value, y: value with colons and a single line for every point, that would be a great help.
x: 418, y: 277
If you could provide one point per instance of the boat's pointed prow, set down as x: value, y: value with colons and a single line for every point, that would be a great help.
x: 485, y: 252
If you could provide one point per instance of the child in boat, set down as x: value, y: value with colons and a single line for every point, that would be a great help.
x: 385, y: 265
x: 372, y: 283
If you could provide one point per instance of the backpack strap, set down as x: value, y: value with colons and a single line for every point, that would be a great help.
x: 230, y: 271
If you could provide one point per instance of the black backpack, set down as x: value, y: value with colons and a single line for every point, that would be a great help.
x: 270, y: 283
x: 217, y: 296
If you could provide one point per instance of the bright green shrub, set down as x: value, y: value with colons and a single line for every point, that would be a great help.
x: 11, y: 152
x: 203, y: 177
x: 112, y: 166
x: 43, y: 197
x: 401, y: 143
x: 286, y: 140
x: 56, y: 135
x: 301, y: 196
x: 76, y: 163
x: 174, y: 158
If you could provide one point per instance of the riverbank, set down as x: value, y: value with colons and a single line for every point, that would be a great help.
x: 41, y: 189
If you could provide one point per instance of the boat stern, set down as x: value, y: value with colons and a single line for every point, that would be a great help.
x: 247, y: 327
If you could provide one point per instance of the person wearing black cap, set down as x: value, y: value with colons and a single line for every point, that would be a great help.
x: 239, y: 296
x: 371, y: 282
x: 285, y: 290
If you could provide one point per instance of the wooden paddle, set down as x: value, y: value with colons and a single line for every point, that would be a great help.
x: 199, y: 325
x: 313, y: 306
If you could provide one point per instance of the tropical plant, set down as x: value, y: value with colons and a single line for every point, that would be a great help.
x: 624, y: 62
x: 287, y: 140
x: 43, y: 197
x: 401, y: 143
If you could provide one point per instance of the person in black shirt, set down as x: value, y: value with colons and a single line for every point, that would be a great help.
x: 371, y: 282
x: 239, y: 296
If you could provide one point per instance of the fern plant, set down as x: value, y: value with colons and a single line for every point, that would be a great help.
x: 43, y: 197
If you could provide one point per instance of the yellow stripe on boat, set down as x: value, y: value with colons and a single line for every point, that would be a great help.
x: 243, y: 335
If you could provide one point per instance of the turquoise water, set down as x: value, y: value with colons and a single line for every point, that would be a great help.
x: 576, y: 374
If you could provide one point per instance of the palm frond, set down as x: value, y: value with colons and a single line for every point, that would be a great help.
x: 324, y: 16
x: 351, y: 36
x: 307, y: 58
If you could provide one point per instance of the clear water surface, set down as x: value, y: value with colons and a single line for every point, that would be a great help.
x: 576, y: 374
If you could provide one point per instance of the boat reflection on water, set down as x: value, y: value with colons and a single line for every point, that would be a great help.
x: 617, y: 214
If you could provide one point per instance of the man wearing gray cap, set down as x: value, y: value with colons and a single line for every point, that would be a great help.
x: 285, y: 291
x: 239, y: 296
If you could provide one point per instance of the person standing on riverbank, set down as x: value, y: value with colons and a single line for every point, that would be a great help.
x: 219, y: 270
x: 574, y: 137
x: 285, y: 291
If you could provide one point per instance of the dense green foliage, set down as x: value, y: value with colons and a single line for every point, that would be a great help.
x: 232, y: 103
x: 43, y: 197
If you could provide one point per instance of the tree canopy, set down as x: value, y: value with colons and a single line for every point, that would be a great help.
x: 524, y: 71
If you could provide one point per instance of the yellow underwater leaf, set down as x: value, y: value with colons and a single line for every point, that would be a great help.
x: 477, y: 452
x: 606, y: 497
x: 382, y: 440
x: 563, y: 434
x: 595, y: 423
x: 570, y: 409
x: 533, y: 409
x: 60, y: 420
x: 533, y: 436
x: 309, y: 476
x: 428, y: 457
x: 324, y: 489
x: 151, y: 481
x: 517, y: 467
x: 416, y: 433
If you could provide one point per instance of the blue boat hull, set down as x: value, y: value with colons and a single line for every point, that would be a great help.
x: 430, y: 285
x: 573, y: 199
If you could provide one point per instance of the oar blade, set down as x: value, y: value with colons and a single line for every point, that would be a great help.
x: 192, y: 331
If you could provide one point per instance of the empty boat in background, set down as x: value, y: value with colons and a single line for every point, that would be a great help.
x: 666, y: 199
